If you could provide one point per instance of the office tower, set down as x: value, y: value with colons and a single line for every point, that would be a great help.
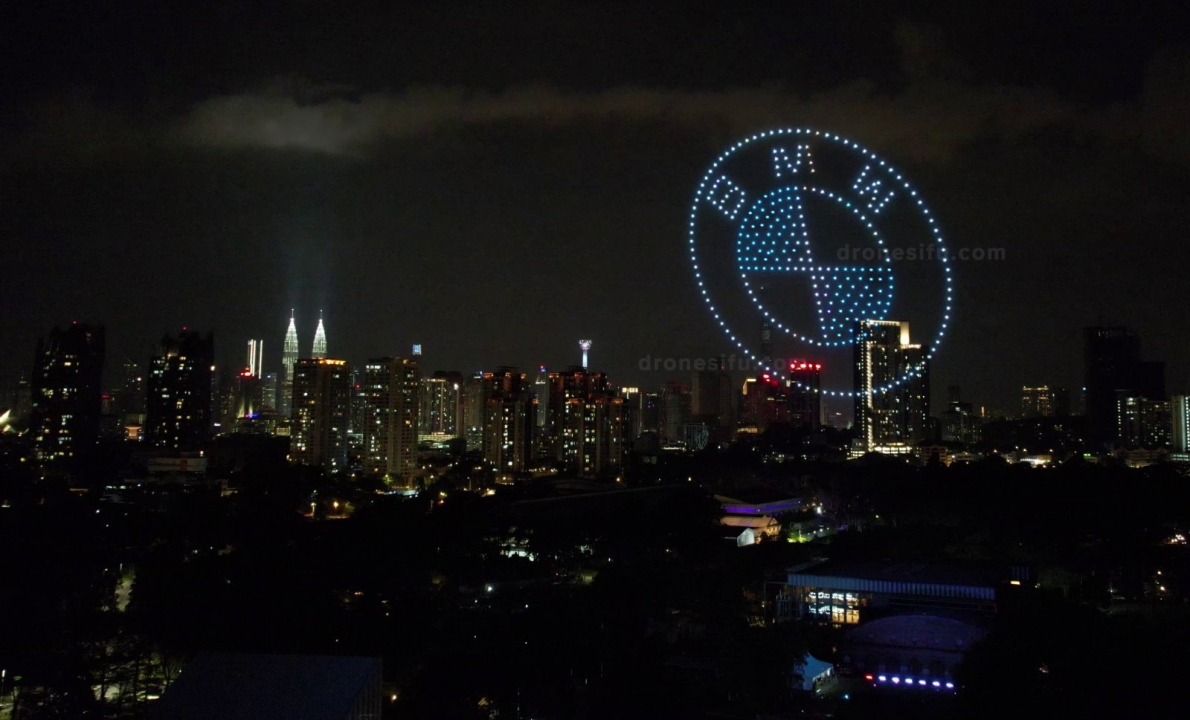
x: 1114, y: 369
x: 247, y: 396
x: 1061, y: 401
x: 319, y: 350
x: 473, y: 411
x: 575, y: 382
x: 223, y: 400
x: 675, y: 411
x: 178, y: 407
x: 712, y: 397
x: 321, y: 413
x: 1037, y: 402
x: 805, y: 395
x: 21, y: 401
x: 392, y: 388
x: 256, y: 357
x: 593, y: 441
x: 892, y: 385
x: 650, y: 413
x: 1179, y: 410
x: 268, y: 393
x: 634, y: 401
x: 541, y: 389
x: 66, y: 397
x: 440, y: 406
x: 766, y: 341
x: 289, y: 356
x: 509, y: 419
x: 132, y: 391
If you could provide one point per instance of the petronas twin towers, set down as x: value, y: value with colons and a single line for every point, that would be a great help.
x: 289, y: 357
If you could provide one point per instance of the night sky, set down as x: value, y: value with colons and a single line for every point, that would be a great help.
x: 497, y: 180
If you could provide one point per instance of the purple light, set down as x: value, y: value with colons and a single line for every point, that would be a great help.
x: 921, y: 682
x: 897, y: 680
x: 936, y: 684
x: 950, y: 685
x: 882, y: 678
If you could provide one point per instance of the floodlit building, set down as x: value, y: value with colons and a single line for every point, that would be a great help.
x: 289, y: 357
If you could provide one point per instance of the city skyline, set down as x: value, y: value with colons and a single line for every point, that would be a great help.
x: 432, y: 180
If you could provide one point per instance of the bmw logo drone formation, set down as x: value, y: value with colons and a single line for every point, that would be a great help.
x: 822, y: 235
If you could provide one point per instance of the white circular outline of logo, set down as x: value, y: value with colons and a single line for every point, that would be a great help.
x: 700, y: 196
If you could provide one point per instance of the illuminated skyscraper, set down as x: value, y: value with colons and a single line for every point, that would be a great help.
x: 1179, y: 406
x: 66, y: 397
x: 322, y: 391
x: 440, y: 408
x: 892, y: 385
x: 289, y: 356
x: 319, y: 340
x: 178, y: 412
x: 391, y: 389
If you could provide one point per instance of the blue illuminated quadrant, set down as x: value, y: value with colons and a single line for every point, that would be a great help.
x: 773, y: 238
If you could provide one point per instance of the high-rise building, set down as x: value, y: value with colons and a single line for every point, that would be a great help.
x: 474, y: 400
x: 319, y: 350
x: 763, y: 402
x: 1037, y: 402
x: 268, y: 393
x: 132, y: 392
x: 576, y: 382
x: 712, y: 398
x: 441, y: 404
x: 66, y: 397
x: 675, y: 412
x: 1114, y: 369
x: 805, y: 395
x: 650, y: 413
x: 960, y: 423
x: 593, y: 441
x: 1179, y: 410
x: 1143, y: 422
x: 509, y: 421
x: 289, y: 357
x: 178, y: 403
x: 392, y: 389
x: 322, y: 390
x: 542, y: 390
x: 892, y: 385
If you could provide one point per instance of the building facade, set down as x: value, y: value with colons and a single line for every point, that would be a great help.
x: 322, y: 391
x: 66, y: 398
x: 178, y: 413
x: 892, y: 385
x: 392, y: 391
